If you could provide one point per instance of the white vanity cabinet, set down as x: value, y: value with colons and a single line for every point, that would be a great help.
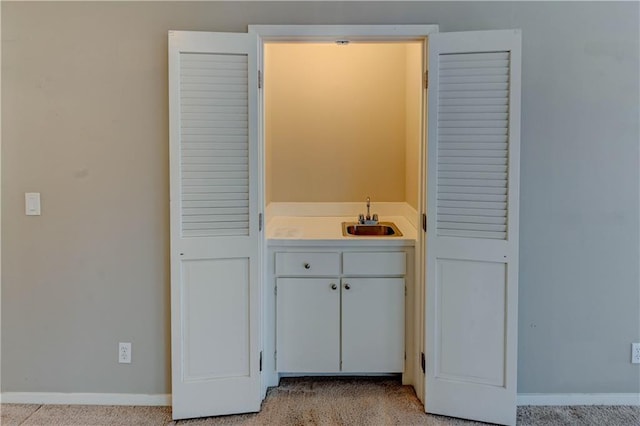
x: 340, y: 311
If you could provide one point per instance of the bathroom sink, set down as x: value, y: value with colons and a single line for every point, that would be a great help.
x: 382, y: 229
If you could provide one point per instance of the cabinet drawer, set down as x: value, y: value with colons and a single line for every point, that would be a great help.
x: 379, y: 263
x: 307, y: 264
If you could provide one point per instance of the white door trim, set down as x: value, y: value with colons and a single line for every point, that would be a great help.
x: 339, y: 32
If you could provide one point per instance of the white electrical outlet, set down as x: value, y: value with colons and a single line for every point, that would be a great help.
x: 124, y: 353
x: 635, y: 353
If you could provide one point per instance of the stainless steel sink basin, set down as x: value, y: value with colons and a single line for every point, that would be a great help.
x: 382, y: 229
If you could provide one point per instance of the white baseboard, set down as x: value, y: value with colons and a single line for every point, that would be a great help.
x: 57, y: 398
x: 579, y: 399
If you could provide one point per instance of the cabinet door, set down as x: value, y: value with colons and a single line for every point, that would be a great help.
x: 308, y: 325
x: 372, y: 325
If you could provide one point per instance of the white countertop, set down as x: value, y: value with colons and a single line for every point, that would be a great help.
x: 297, y: 231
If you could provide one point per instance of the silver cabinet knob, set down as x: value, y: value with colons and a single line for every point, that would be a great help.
x: 334, y: 286
x: 347, y: 286
x: 307, y: 266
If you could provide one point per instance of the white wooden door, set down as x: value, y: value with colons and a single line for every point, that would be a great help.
x: 308, y: 325
x: 373, y: 325
x: 215, y: 245
x: 472, y: 232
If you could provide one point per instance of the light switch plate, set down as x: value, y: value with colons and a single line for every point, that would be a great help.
x: 32, y: 203
x: 635, y: 353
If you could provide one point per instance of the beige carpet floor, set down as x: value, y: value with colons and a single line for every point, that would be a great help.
x: 305, y: 401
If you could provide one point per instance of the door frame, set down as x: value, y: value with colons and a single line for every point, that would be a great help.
x: 334, y: 33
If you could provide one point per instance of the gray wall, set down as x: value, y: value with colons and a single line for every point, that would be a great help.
x: 84, y: 115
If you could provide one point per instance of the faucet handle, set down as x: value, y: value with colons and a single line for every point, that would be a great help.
x: 375, y: 217
x: 361, y: 218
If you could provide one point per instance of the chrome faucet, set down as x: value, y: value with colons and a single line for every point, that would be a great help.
x: 368, y: 219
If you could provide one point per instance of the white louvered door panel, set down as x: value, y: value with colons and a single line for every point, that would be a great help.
x: 215, y: 144
x: 473, y: 111
x: 472, y: 225
x: 215, y: 240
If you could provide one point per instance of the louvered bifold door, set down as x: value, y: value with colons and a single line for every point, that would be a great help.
x: 214, y: 151
x: 215, y: 242
x: 473, y: 109
x: 472, y: 225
